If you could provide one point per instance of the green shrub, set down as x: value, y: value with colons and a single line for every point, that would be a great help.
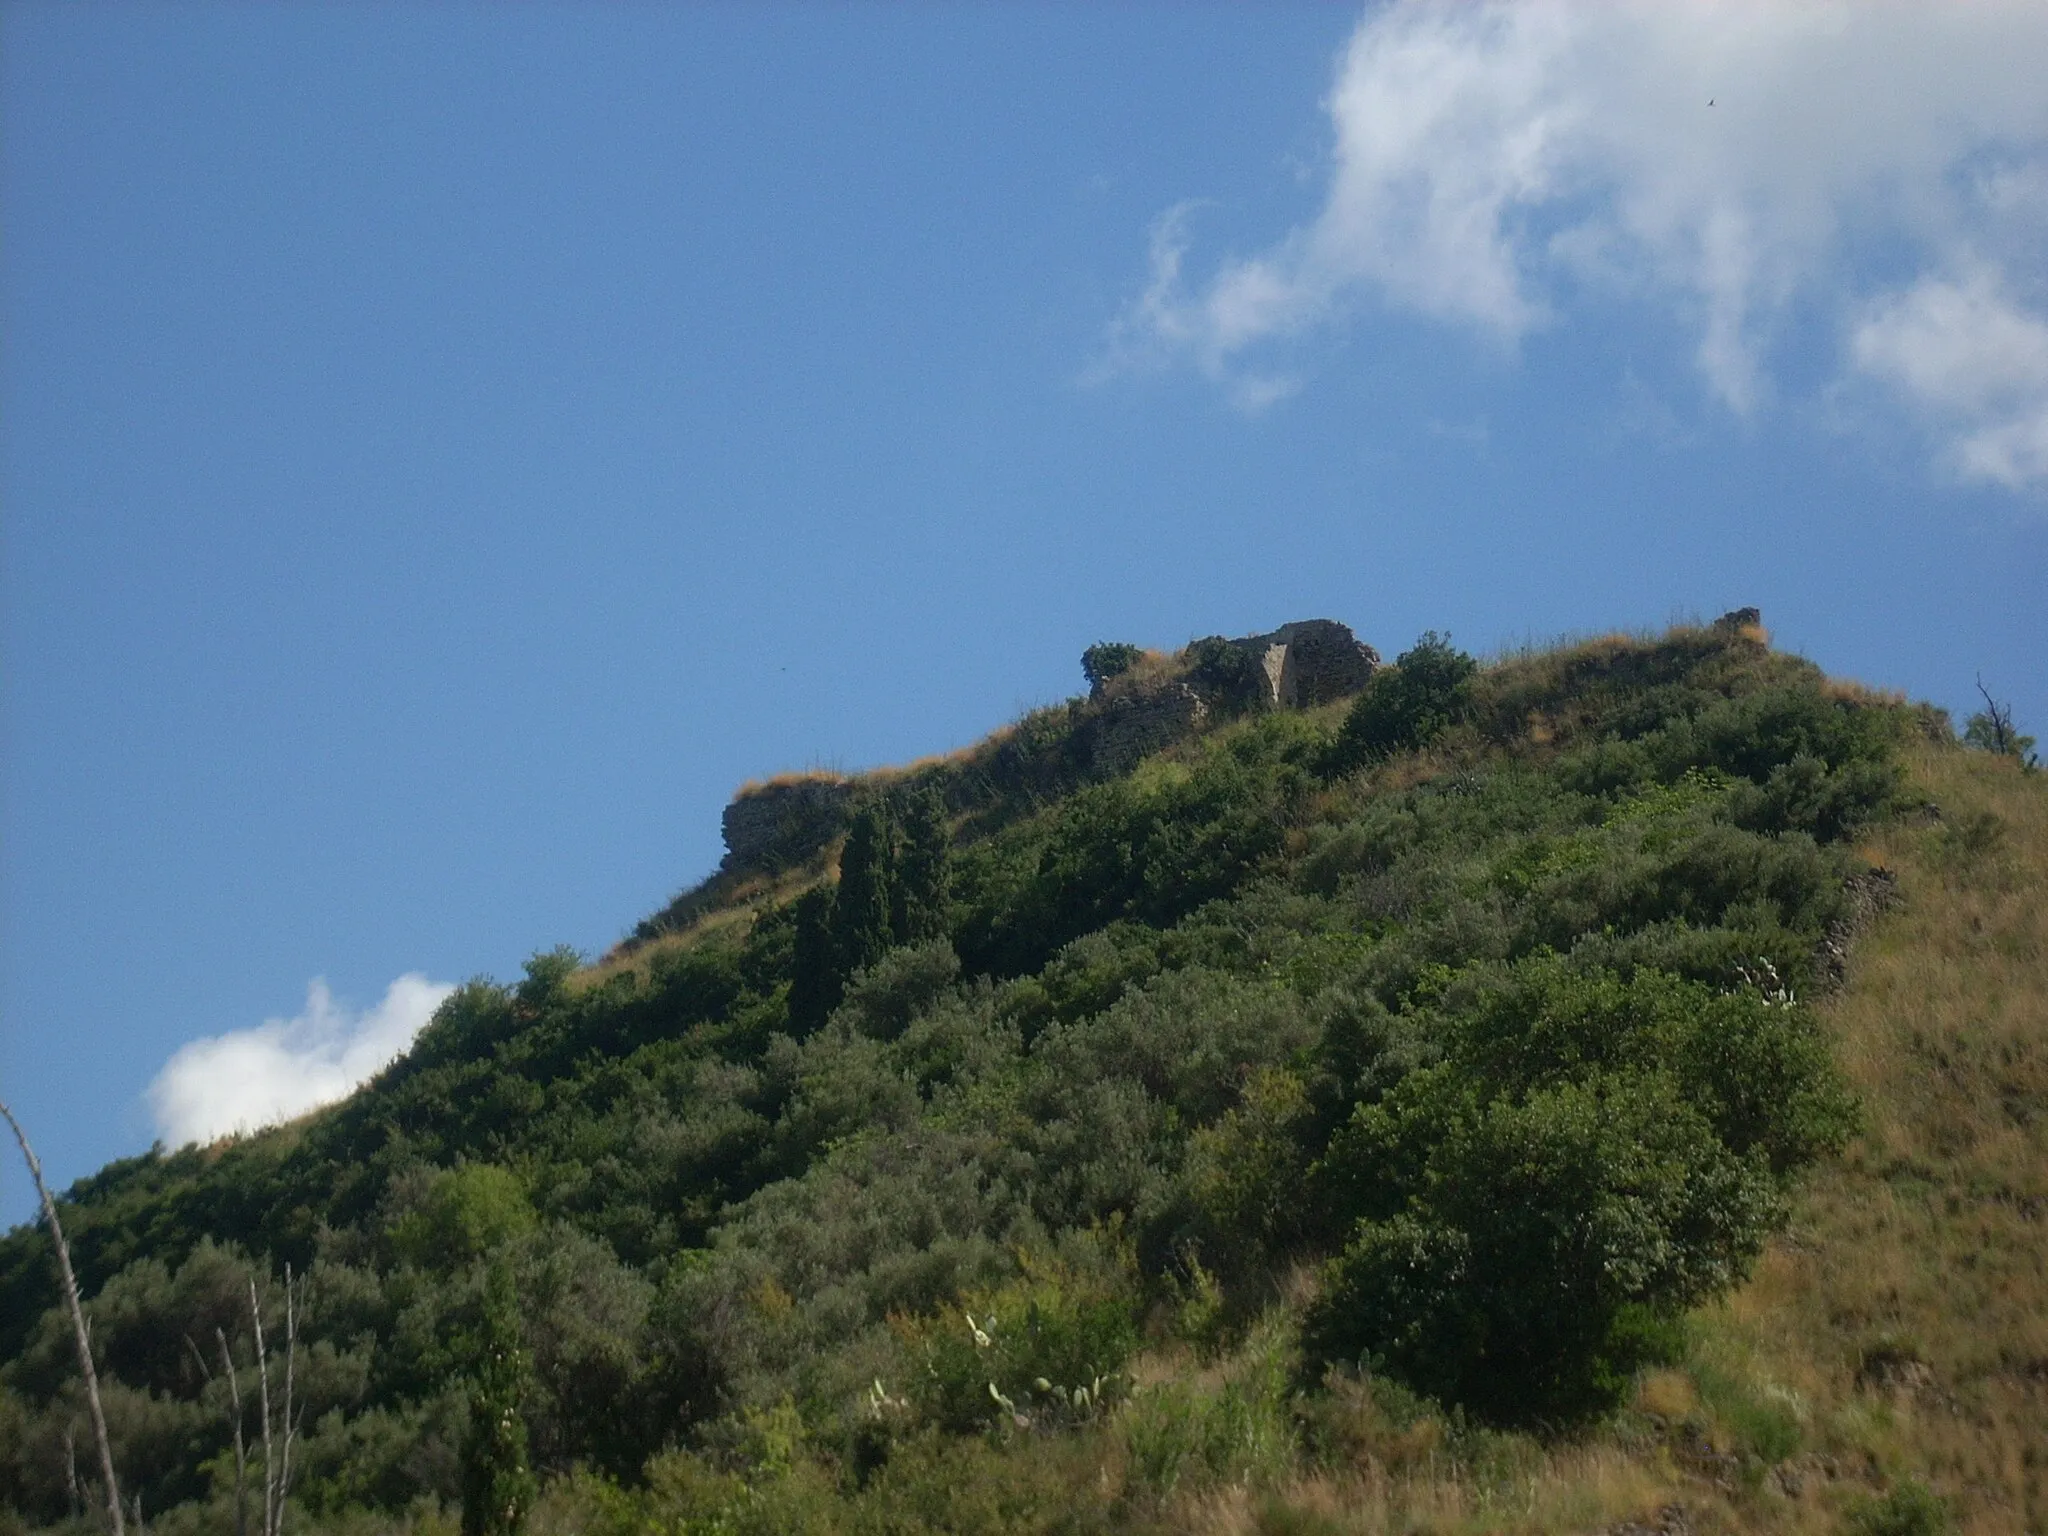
x: 547, y: 975
x: 1512, y: 1277
x: 1246, y: 1169
x: 1045, y: 1350
x: 1762, y: 1423
x: 466, y: 1213
x: 1239, y: 1429
x: 1408, y: 704
x: 1757, y: 1072
x: 1101, y: 662
x: 1231, y: 673
x: 1911, y: 1508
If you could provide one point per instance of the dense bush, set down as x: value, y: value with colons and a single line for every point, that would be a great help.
x: 1229, y: 672
x: 1579, y: 1152
x: 1100, y: 663
x: 1408, y: 704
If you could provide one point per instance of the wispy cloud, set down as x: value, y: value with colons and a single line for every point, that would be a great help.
x: 1160, y: 326
x: 1964, y: 351
x: 1504, y: 166
x: 250, y: 1078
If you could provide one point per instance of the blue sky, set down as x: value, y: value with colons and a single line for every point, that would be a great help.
x: 444, y: 451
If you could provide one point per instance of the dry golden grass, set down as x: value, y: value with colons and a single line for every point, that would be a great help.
x: 1588, y: 1489
x: 791, y: 778
x: 886, y: 774
x: 1909, y: 1302
x: 734, y: 910
x: 1151, y: 667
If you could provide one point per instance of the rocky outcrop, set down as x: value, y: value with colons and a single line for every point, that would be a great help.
x: 1866, y: 896
x: 783, y: 822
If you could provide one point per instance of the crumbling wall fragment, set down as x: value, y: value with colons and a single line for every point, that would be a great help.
x: 772, y: 826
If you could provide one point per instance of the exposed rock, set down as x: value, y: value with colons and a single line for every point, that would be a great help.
x: 1671, y: 1520
x: 1738, y: 620
x: 1869, y: 893
x: 774, y: 825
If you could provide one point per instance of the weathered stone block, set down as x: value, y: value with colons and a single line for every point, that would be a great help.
x: 1313, y: 661
x: 783, y: 822
x: 1142, y: 721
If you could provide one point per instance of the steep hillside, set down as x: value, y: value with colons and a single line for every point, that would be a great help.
x: 1278, y: 1091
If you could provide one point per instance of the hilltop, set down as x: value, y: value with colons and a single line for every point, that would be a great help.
x: 1601, y: 1089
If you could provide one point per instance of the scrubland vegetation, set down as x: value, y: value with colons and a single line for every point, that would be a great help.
x: 1506, y: 1101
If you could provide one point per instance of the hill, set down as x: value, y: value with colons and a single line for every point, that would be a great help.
x: 1603, y: 1089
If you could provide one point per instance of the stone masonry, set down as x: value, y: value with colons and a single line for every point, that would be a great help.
x: 1142, y: 721
x: 1314, y: 661
x: 774, y: 825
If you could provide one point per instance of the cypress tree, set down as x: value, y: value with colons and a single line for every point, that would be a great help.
x: 815, y: 983
x: 860, y: 914
x: 923, y: 885
x: 498, y: 1486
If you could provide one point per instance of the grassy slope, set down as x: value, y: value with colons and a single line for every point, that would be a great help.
x: 1909, y: 1304
x: 1898, y: 1330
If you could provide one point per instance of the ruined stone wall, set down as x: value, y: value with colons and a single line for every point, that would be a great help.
x: 1322, y: 661
x: 1133, y: 724
x: 772, y: 826
x: 1311, y: 662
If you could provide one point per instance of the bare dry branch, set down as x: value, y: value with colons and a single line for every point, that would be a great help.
x: 227, y: 1365
x: 263, y: 1386
x: 2003, y: 737
x: 289, y: 1421
x: 78, y: 1324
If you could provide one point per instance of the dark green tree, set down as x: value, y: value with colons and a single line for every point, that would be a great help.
x: 1231, y: 674
x: 1099, y: 663
x: 815, y: 983
x: 1545, y: 1245
x: 861, y: 928
x: 498, y: 1485
x: 921, y: 890
x: 1408, y: 704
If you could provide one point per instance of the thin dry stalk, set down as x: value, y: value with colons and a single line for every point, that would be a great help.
x: 281, y: 1429
x: 263, y: 1386
x: 78, y: 1328
x: 227, y: 1365
x: 289, y: 1420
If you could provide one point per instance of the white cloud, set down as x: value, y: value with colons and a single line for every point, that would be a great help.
x: 1502, y: 165
x: 249, y: 1078
x: 1966, y: 353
